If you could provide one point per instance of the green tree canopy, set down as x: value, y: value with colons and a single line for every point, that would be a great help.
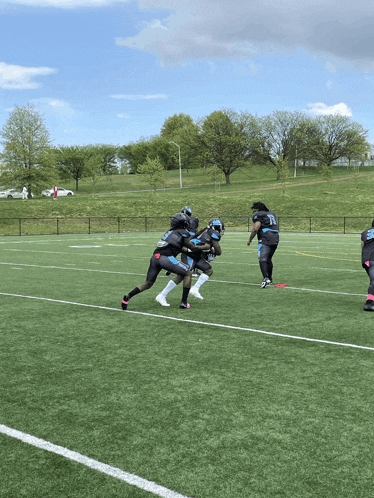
x: 225, y: 142
x: 181, y: 129
x: 77, y: 162
x: 27, y: 157
x: 106, y: 155
x: 280, y: 134
x: 152, y: 172
x: 333, y: 137
x: 135, y: 153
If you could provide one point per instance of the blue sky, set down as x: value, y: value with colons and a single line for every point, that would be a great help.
x: 113, y: 71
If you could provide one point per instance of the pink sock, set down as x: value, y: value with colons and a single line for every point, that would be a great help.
x: 370, y: 297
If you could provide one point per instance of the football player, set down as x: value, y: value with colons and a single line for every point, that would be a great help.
x: 367, y: 259
x: 193, y: 224
x: 211, y: 235
x: 192, y: 228
x: 265, y: 226
x: 164, y: 257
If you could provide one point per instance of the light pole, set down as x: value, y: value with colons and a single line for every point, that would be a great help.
x: 180, y: 166
x: 294, y: 173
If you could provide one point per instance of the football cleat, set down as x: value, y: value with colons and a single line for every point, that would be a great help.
x: 184, y: 306
x: 195, y: 293
x: 162, y: 300
x: 125, y: 302
x: 369, y: 305
x: 265, y: 283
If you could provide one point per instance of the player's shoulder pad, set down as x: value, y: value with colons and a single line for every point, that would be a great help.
x: 214, y: 234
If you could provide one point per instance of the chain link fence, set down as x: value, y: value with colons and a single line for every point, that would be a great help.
x: 96, y: 225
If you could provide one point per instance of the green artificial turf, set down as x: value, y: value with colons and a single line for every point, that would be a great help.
x: 229, y: 399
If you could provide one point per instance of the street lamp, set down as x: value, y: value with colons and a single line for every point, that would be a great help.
x: 180, y: 166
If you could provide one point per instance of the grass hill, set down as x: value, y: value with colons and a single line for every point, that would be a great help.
x: 308, y: 194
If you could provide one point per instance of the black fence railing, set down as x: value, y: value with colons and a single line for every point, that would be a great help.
x: 93, y: 225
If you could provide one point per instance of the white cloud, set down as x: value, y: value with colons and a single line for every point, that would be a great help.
x: 321, y: 109
x: 53, y: 107
x: 329, y: 84
x: 203, y: 30
x: 123, y: 115
x: 14, y: 77
x: 140, y: 97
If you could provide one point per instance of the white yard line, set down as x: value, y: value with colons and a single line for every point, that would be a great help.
x: 132, y: 479
x: 53, y: 267
x: 196, y: 322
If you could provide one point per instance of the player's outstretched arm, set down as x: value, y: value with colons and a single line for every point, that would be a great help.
x: 255, y: 228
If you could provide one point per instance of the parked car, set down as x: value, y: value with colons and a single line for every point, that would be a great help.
x: 11, y: 193
x: 60, y: 191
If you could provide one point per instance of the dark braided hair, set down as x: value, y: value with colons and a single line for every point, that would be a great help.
x: 259, y: 206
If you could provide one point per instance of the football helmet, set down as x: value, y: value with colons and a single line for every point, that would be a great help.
x: 179, y: 220
x: 186, y: 210
x: 216, y: 224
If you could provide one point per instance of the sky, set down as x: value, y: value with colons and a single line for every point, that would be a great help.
x: 112, y: 72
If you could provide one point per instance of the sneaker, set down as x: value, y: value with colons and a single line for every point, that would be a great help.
x: 168, y: 273
x: 195, y: 293
x: 369, y: 305
x: 184, y: 306
x: 265, y: 283
x: 160, y: 299
x: 125, y: 302
x: 196, y: 273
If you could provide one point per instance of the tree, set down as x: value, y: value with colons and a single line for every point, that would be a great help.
x: 337, y: 136
x: 75, y: 162
x: 106, y: 155
x: 153, y: 172
x: 215, y: 174
x: 181, y: 129
x: 281, y: 133
x: 135, y: 154
x: 28, y: 159
x: 224, y: 141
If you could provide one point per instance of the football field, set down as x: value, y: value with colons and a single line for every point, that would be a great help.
x: 251, y: 393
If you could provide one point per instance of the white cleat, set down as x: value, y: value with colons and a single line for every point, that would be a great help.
x: 196, y: 293
x: 160, y: 299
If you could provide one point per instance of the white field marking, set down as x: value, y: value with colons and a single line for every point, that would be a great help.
x: 80, y: 254
x: 71, y: 269
x: 164, y: 276
x: 132, y: 479
x: 196, y: 322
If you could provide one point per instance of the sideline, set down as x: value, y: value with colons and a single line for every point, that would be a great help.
x: 196, y: 322
x: 132, y: 479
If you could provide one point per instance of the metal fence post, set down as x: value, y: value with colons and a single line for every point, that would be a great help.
x: 89, y: 225
x: 57, y: 226
x: 119, y: 224
x: 310, y: 225
x: 145, y: 224
x: 20, y: 227
x: 344, y: 224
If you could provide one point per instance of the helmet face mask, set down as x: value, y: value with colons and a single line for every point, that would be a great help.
x: 179, y: 220
x: 217, y: 224
x: 186, y: 210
